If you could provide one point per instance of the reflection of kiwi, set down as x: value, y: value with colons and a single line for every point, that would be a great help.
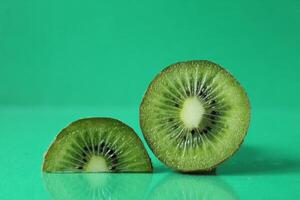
x: 191, y: 187
x: 97, y: 145
x: 194, y: 115
x: 96, y: 186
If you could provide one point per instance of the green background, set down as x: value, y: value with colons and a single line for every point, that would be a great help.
x: 64, y: 60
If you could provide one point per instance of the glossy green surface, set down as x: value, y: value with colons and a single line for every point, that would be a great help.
x: 266, y: 167
x: 64, y: 60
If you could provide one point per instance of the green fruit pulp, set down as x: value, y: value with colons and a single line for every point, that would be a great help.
x: 194, y: 115
x: 97, y: 145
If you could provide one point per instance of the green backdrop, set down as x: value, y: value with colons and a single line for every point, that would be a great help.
x: 61, y: 60
x: 106, y: 52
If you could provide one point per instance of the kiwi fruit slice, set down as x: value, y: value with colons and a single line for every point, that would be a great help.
x: 97, y: 145
x: 194, y: 115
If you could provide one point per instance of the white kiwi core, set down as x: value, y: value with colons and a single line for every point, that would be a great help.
x: 97, y: 164
x: 192, y: 112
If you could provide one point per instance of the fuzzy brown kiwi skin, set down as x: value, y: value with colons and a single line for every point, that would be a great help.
x: 212, y: 169
x: 60, y: 134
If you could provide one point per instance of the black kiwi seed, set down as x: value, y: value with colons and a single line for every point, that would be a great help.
x: 214, y: 112
x: 188, y: 93
x: 213, y: 102
x: 102, y: 145
x: 203, y: 93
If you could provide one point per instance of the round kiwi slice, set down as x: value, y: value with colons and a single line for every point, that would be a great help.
x: 97, y: 145
x: 194, y: 115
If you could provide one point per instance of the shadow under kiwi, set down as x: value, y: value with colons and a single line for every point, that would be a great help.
x: 160, y: 168
x: 252, y: 160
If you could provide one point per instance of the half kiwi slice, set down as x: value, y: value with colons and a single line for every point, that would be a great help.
x: 97, y: 145
x: 194, y: 115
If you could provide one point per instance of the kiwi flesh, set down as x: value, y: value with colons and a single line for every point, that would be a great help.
x: 97, y: 145
x: 194, y: 115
